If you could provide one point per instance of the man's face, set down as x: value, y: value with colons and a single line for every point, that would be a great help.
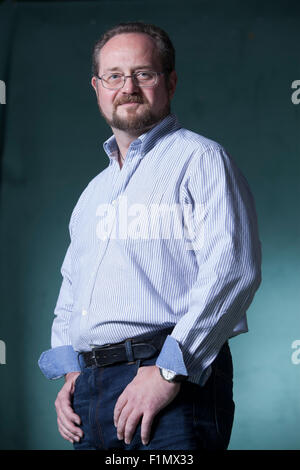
x: 132, y: 108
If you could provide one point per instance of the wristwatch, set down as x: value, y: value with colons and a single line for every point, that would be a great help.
x: 171, y: 376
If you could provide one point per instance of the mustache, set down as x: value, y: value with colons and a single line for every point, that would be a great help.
x: 129, y: 99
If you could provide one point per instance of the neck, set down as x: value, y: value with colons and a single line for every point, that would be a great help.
x: 124, y: 138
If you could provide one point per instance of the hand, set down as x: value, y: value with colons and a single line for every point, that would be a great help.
x: 144, y: 397
x: 66, y: 418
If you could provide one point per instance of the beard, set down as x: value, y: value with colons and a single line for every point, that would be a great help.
x: 135, y: 121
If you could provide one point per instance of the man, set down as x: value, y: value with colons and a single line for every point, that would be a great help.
x: 150, y: 297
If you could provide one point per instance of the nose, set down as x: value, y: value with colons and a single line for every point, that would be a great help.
x: 129, y: 86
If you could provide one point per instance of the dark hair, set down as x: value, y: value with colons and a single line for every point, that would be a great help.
x: 163, y: 43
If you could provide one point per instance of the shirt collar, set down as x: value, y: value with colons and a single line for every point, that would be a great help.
x: 147, y: 140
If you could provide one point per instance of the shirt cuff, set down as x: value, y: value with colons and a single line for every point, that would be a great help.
x: 57, y: 362
x: 171, y: 357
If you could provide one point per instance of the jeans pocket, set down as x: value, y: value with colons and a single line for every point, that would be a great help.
x: 148, y: 362
x: 77, y: 391
x: 78, y: 380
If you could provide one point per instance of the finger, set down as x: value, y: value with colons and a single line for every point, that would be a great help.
x: 66, y: 434
x: 70, y: 424
x: 67, y: 438
x: 63, y: 407
x: 146, y: 428
x: 122, y: 422
x: 70, y: 416
x: 121, y: 402
x: 130, y: 426
x: 69, y: 427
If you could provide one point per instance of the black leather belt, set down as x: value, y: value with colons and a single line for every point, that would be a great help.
x: 130, y: 350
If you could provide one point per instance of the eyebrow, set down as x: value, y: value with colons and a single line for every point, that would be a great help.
x: 138, y: 67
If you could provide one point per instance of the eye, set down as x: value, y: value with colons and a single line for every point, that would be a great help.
x: 113, y: 77
x: 144, y: 75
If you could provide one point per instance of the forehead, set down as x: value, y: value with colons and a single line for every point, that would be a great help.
x: 129, y: 50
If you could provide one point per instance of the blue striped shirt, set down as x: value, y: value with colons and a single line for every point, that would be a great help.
x: 168, y: 240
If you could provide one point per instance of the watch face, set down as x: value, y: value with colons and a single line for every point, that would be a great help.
x: 168, y: 374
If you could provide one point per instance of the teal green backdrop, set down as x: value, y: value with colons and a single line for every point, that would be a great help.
x: 236, y: 62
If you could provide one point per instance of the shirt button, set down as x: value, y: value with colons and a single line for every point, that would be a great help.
x: 84, y: 312
x: 114, y: 202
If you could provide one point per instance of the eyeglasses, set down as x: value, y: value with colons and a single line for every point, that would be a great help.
x: 115, y: 81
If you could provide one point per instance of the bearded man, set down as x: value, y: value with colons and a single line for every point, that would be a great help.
x: 143, y: 318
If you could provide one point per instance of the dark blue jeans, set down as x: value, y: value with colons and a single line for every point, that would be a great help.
x: 198, y: 417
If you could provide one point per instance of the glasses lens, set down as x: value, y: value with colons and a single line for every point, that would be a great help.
x: 112, y: 80
x: 116, y: 80
x: 145, y: 78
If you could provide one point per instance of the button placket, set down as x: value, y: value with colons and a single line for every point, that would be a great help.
x: 121, y: 182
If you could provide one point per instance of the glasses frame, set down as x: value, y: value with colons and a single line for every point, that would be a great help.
x: 133, y: 78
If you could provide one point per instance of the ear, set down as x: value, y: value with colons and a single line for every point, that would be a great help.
x: 172, y: 83
x: 94, y: 84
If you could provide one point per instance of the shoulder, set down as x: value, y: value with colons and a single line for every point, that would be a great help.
x: 197, y: 144
x: 197, y: 141
x: 207, y: 163
x: 198, y: 150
